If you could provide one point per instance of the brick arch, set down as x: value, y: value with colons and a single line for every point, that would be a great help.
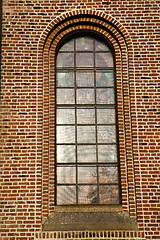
x: 60, y: 27
x: 88, y: 13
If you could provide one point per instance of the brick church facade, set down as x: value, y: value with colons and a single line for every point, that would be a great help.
x: 34, y: 36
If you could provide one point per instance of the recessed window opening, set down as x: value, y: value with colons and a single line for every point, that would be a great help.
x: 87, y: 167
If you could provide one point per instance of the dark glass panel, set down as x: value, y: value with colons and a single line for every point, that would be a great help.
x: 108, y: 174
x: 105, y: 78
x: 65, y: 115
x: 87, y: 174
x: 109, y: 194
x: 106, y: 134
x: 66, y: 175
x: 105, y: 116
x: 84, y: 79
x: 84, y: 60
x: 100, y: 46
x: 65, y: 78
x: 86, y: 134
x: 65, y: 134
x: 107, y: 153
x: 66, y: 154
x: 105, y: 96
x: 65, y: 96
x: 104, y: 59
x: 65, y: 60
x: 69, y: 46
x: 86, y: 153
x: 66, y: 195
x: 84, y: 44
x: 86, y: 116
x: 85, y: 96
x: 87, y: 194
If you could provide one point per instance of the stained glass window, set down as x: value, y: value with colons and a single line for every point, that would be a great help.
x: 87, y: 168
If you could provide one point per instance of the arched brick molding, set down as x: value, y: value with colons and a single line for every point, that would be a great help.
x: 108, y: 27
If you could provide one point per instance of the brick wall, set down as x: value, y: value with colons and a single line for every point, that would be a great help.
x: 31, y: 30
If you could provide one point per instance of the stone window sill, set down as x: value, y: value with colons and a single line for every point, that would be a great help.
x: 89, y: 218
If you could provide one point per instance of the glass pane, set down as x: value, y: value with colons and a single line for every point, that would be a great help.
x: 105, y: 96
x: 86, y: 153
x: 104, y: 59
x: 84, y: 44
x: 84, y: 79
x: 66, y: 154
x: 65, y: 96
x: 105, y: 78
x: 86, y: 134
x: 87, y: 175
x: 105, y: 116
x: 87, y: 194
x: 86, y: 116
x: 106, y: 134
x: 65, y: 116
x: 85, y: 96
x: 65, y: 60
x: 66, y: 195
x: 109, y: 194
x: 66, y: 174
x: 108, y: 174
x: 107, y: 153
x: 100, y: 46
x: 65, y: 78
x: 84, y: 60
x: 69, y: 46
x: 65, y: 134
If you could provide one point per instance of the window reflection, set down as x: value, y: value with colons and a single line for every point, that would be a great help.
x: 86, y: 143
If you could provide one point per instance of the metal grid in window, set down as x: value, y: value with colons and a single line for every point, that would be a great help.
x: 86, y: 134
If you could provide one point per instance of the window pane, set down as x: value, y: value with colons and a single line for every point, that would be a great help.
x: 108, y: 174
x: 86, y: 153
x: 65, y: 96
x: 65, y: 78
x: 66, y: 195
x: 105, y: 116
x: 84, y: 60
x: 106, y: 134
x: 66, y: 175
x: 109, y: 194
x: 86, y: 134
x: 66, y: 154
x: 65, y: 60
x: 105, y: 96
x: 85, y: 96
x: 105, y: 78
x: 86, y: 116
x: 87, y: 194
x: 84, y: 44
x: 69, y: 46
x: 65, y: 116
x: 107, y: 153
x: 85, y: 79
x: 87, y: 175
x: 100, y: 46
x: 65, y: 134
x: 104, y: 59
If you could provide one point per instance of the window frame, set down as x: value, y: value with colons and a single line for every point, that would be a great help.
x: 116, y: 34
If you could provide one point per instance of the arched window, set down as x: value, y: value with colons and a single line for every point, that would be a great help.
x: 87, y: 167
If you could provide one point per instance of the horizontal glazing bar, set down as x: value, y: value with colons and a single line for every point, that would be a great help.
x: 89, y: 164
x: 92, y: 124
x: 91, y: 184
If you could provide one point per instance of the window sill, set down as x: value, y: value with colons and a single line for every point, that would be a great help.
x: 93, y: 218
